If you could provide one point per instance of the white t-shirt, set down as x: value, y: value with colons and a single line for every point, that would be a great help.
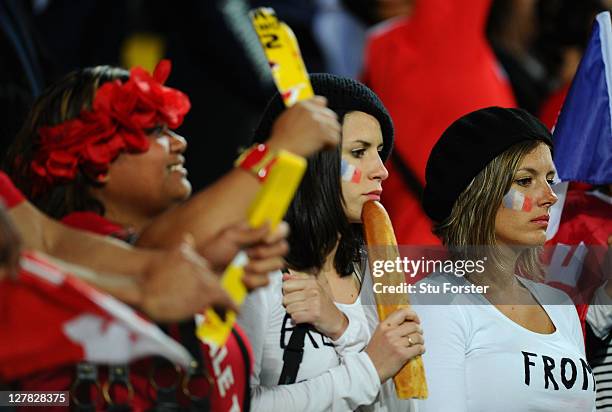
x: 477, y: 359
x: 333, y: 375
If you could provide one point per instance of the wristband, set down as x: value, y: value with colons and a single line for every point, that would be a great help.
x: 258, y: 160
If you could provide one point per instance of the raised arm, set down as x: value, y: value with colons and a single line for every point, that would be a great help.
x: 302, y: 129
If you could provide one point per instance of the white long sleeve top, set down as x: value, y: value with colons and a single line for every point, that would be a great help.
x: 333, y: 375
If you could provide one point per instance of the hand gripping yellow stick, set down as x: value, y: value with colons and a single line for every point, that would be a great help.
x: 382, y: 246
x: 283, y: 54
x: 269, y: 206
x: 273, y: 199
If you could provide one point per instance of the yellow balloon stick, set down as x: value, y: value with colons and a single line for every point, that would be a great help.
x: 270, y: 206
x: 283, y: 54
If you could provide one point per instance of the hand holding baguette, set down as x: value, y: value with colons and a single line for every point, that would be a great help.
x: 395, y: 341
x: 380, y: 238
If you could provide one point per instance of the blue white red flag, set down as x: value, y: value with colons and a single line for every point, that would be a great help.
x: 583, y: 133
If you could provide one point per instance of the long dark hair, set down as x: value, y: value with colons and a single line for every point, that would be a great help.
x: 318, y: 221
x: 62, y: 101
x: 316, y: 215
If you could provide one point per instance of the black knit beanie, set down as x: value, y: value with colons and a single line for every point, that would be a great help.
x: 467, y: 146
x: 343, y: 95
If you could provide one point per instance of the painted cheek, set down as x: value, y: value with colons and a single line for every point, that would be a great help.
x: 349, y: 173
x: 164, y: 142
x: 515, y: 200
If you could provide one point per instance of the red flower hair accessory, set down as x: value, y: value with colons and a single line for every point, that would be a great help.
x: 120, y: 114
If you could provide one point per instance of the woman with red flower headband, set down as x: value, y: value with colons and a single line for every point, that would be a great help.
x: 98, y: 152
x: 73, y: 146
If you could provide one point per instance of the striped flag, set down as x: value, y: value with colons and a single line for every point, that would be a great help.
x: 515, y: 200
x: 583, y: 133
x: 349, y: 173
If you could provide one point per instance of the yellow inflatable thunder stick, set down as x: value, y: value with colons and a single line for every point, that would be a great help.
x: 283, y: 54
x: 269, y: 206
x: 273, y: 199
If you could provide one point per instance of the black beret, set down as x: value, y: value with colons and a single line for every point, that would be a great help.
x: 343, y: 95
x: 467, y: 146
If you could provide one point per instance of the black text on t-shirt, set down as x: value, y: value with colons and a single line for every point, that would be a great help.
x: 559, y: 373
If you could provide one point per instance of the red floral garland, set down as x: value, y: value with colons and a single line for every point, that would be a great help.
x: 120, y: 114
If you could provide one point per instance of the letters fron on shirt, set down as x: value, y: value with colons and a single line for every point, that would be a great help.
x: 317, y: 339
x: 559, y: 374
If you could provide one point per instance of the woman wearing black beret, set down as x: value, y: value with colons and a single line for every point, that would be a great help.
x: 513, y: 344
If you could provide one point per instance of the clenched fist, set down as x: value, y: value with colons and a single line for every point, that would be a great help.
x: 307, y: 302
x: 305, y: 128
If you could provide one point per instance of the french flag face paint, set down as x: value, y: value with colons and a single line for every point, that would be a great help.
x: 349, y: 173
x: 515, y: 200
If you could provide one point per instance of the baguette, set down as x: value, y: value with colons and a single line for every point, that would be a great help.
x: 410, y: 381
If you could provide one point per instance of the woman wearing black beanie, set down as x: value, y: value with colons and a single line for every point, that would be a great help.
x: 308, y: 328
x: 496, y: 340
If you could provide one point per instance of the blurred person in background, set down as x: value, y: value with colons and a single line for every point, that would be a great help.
x: 340, y: 29
x: 24, y: 70
x: 564, y: 29
x: 428, y: 77
x: 512, y: 29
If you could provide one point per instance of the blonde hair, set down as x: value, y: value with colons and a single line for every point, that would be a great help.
x: 469, y: 231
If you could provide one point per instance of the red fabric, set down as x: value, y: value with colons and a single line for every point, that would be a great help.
x: 429, y: 69
x: 552, y: 106
x: 43, y: 308
x: 29, y: 301
x: 586, y: 219
x: 226, y: 367
x: 93, y: 222
x: 8, y: 192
